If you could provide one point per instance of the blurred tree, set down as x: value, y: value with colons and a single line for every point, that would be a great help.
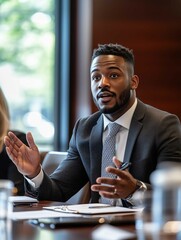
x: 27, y: 54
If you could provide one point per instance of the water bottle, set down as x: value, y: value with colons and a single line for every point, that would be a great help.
x: 166, y: 202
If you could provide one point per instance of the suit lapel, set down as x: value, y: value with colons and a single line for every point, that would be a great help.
x: 96, y: 154
x: 96, y: 149
x: 135, y: 128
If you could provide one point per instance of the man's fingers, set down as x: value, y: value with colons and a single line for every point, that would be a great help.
x: 31, y: 141
x: 6, y: 141
x: 12, y: 154
x: 117, y: 162
x: 105, y: 191
x: 102, y: 188
x: 11, y: 146
x: 105, y: 180
x: 14, y: 140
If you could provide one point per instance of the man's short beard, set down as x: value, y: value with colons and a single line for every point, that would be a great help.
x: 124, y: 101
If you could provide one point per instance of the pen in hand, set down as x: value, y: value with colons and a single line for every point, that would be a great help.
x: 125, y: 165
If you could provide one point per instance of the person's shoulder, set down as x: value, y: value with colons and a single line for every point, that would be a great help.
x: 154, y: 116
x: 153, y: 110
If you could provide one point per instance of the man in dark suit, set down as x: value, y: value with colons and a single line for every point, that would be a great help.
x: 147, y: 137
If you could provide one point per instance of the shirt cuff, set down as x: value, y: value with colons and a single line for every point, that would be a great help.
x: 36, y: 181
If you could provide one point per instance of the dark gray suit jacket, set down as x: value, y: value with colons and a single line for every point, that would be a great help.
x: 154, y: 137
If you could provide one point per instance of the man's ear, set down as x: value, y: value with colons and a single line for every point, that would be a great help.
x: 134, y: 82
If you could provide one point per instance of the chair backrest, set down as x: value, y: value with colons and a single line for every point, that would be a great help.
x: 50, y: 162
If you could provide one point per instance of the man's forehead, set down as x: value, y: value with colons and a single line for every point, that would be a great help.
x: 104, y: 60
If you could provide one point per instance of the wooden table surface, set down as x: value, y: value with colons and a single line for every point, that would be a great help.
x: 23, y: 230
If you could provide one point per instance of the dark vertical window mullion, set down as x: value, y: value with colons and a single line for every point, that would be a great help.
x: 62, y: 74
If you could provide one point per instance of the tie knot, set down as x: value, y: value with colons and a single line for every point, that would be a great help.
x: 113, y: 129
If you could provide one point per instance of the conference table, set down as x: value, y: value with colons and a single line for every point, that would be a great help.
x: 24, y: 230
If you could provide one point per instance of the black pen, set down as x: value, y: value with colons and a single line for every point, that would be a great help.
x: 125, y: 165
x: 100, y: 206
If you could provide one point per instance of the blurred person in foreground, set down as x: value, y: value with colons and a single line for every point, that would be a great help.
x: 8, y: 169
x: 148, y: 136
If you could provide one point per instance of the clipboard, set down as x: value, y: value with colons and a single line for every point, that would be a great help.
x: 91, y: 209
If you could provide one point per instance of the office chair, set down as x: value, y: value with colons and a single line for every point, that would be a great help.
x: 50, y: 162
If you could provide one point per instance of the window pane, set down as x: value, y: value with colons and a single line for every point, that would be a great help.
x: 27, y: 64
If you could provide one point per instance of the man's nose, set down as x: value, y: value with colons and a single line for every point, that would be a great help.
x: 104, y: 82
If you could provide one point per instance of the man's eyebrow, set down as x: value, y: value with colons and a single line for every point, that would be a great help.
x: 94, y: 70
x: 109, y: 68
x: 114, y: 67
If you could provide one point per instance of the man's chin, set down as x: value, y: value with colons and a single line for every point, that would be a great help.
x: 106, y: 110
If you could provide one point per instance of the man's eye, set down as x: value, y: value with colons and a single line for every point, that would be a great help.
x: 96, y: 78
x: 114, y: 75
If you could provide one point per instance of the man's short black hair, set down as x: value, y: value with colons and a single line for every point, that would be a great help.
x: 114, y: 49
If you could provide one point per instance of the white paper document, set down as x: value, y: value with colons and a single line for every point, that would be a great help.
x: 25, y: 215
x: 90, y: 209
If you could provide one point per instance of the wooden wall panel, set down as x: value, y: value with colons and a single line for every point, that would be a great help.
x: 153, y: 30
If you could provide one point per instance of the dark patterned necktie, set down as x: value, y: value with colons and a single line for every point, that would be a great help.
x: 109, y: 150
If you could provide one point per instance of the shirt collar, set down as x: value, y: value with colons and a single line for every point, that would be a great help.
x: 125, y: 119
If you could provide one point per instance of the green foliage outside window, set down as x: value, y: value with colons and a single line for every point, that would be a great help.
x: 27, y: 61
